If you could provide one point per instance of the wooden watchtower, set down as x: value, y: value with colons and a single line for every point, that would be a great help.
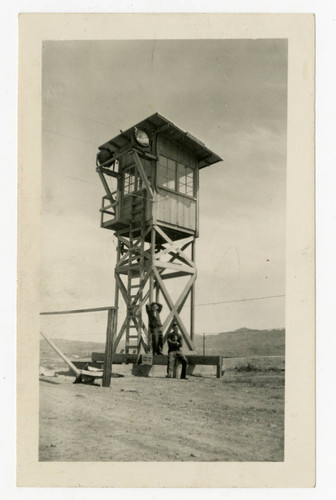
x: 150, y: 174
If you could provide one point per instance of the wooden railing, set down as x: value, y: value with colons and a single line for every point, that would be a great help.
x: 110, y: 209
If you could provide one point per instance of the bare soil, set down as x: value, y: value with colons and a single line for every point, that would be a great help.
x: 239, y: 417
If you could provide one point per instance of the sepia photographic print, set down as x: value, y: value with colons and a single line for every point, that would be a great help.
x: 166, y: 194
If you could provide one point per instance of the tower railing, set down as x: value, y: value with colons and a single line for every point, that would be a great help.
x: 110, y: 209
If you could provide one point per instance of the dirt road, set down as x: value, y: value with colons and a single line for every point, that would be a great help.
x: 237, y: 418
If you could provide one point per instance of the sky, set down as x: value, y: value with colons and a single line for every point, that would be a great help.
x: 230, y: 94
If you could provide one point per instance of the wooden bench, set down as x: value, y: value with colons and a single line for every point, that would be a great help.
x: 193, y: 360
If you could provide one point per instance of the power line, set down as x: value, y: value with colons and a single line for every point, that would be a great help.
x: 82, y: 116
x: 239, y: 300
x: 68, y: 136
x: 123, y: 309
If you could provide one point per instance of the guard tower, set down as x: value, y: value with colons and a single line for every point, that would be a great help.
x: 150, y: 174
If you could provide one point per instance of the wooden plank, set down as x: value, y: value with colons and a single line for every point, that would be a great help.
x: 179, y: 251
x: 175, y: 267
x: 142, y: 173
x: 174, y: 275
x: 75, y: 311
x: 193, y: 359
x: 62, y: 355
x: 109, y: 172
x: 149, y: 156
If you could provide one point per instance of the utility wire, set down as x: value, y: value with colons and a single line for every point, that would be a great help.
x: 239, y: 300
x: 82, y: 116
x: 68, y: 136
x: 123, y: 309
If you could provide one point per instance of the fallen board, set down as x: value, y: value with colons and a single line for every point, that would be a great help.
x: 79, y: 373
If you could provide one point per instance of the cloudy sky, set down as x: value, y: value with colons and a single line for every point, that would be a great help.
x: 232, y: 95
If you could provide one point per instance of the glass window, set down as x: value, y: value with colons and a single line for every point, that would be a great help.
x: 185, y: 176
x: 129, y: 181
x: 166, y: 173
x: 175, y: 176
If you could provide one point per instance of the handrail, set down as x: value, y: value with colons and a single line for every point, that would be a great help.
x: 94, y: 309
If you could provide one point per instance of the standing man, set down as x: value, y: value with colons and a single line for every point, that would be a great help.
x: 174, y: 340
x: 155, y: 326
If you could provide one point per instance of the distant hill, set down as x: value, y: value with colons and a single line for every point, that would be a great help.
x: 244, y: 342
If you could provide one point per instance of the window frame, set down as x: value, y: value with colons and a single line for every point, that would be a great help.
x: 137, y: 180
x: 176, y: 177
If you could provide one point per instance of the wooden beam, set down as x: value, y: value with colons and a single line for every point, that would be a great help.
x: 193, y: 359
x: 75, y: 311
x: 179, y: 304
x: 192, y: 298
x: 108, y: 349
x: 178, y: 251
x: 175, y: 267
x: 174, y: 275
x: 171, y: 305
x: 142, y: 173
x: 65, y: 358
x: 109, y: 172
x: 119, y: 336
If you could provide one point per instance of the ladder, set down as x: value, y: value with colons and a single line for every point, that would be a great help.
x: 135, y: 274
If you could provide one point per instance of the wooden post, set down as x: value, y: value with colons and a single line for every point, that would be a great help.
x: 116, y: 297
x: 192, y: 298
x: 219, y: 367
x: 203, y: 344
x: 109, y: 348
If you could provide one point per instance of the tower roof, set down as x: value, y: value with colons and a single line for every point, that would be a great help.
x: 157, y: 123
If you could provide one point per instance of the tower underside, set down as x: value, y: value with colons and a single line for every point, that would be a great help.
x: 147, y: 257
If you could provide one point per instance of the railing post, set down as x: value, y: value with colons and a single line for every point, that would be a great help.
x: 107, y: 371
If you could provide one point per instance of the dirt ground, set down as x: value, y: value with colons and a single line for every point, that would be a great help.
x: 239, y: 417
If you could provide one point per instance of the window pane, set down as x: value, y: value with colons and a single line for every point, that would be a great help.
x: 129, y: 180
x: 163, y: 160
x: 171, y: 175
x: 162, y: 170
x: 171, y: 164
x: 162, y: 181
x: 171, y: 184
x: 185, y: 179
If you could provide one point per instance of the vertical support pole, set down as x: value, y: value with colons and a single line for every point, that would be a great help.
x: 157, y: 292
x: 108, y: 348
x: 219, y: 367
x: 116, y: 296
x: 151, y: 278
x: 151, y: 281
x: 203, y: 344
x: 192, y: 298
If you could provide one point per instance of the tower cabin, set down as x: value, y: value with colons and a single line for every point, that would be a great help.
x: 150, y: 174
x: 160, y: 162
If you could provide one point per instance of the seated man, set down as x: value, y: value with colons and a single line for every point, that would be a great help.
x: 174, y: 340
